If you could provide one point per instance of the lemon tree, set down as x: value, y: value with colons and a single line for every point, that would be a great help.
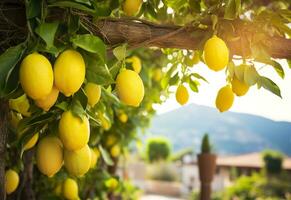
x: 80, y: 78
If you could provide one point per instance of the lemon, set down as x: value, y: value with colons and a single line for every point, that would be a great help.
x: 110, y: 140
x: 74, y: 131
x: 157, y: 74
x: 123, y: 117
x: 21, y: 105
x: 111, y: 183
x: 93, y: 92
x: 58, y: 189
x: 182, y: 95
x: 224, y: 99
x: 130, y: 88
x: 49, y: 155
x: 97, y: 152
x: 105, y: 122
x: 36, y: 76
x: 115, y: 151
x: 239, y: 87
x: 78, y: 162
x: 11, y: 181
x: 94, y: 158
x: 136, y: 63
x: 216, y: 53
x: 131, y: 7
x: 70, y: 189
x: 47, y: 102
x: 31, y: 142
x: 69, y: 72
x: 14, y: 119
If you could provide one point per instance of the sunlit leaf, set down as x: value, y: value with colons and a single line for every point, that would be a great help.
x: 47, y: 32
x: 268, y: 84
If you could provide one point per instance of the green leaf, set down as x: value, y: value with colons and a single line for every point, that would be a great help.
x: 91, y: 44
x: 193, y: 85
x: 105, y: 155
x: 70, y: 4
x: 174, y: 80
x: 47, y: 32
x: 73, y: 24
x: 63, y: 106
x: 250, y: 75
x: 8, y: 61
x: 33, y: 9
x: 268, y: 84
x: 120, y: 52
x: 232, y: 9
x: 96, y: 71
x: 77, y: 108
x: 82, y: 97
x: 196, y: 75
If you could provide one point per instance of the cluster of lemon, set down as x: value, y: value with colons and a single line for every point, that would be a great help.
x: 216, y: 57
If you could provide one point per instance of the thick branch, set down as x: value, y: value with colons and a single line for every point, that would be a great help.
x: 137, y: 34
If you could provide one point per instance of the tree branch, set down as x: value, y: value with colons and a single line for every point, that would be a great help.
x: 138, y: 33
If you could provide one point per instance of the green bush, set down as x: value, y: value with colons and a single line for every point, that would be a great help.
x: 157, y: 149
x: 205, y: 146
x: 273, y: 161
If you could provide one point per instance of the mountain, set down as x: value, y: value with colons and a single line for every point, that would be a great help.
x: 229, y: 132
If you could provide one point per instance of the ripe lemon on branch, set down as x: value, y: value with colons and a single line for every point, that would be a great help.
x: 240, y: 88
x: 123, y: 117
x: 11, y: 181
x: 49, y: 155
x: 130, y: 88
x: 70, y: 189
x: 131, y: 7
x: 115, y: 151
x: 47, y: 102
x: 74, y: 131
x: 36, y: 76
x: 216, y: 53
x: 136, y: 63
x: 69, y: 72
x: 94, y: 157
x: 78, y: 162
x: 182, y: 95
x: 93, y: 92
x: 224, y: 98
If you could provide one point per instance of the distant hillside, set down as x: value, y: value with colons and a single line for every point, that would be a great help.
x: 230, y: 133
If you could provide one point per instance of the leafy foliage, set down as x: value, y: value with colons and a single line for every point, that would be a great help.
x: 205, y: 145
x: 273, y: 161
x: 157, y: 149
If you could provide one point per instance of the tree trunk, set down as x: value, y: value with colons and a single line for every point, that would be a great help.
x: 4, y: 114
x: 28, y: 192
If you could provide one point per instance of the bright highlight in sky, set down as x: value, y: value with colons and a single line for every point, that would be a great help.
x: 258, y: 102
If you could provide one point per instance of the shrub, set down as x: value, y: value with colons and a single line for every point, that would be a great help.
x: 273, y: 161
x: 163, y: 172
x: 157, y: 149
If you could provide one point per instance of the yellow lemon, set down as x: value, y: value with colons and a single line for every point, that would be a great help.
x: 11, y: 181
x: 94, y: 158
x: 111, y: 183
x: 97, y: 152
x: 110, y: 140
x: 239, y: 87
x: 31, y: 142
x: 69, y: 72
x: 136, y: 63
x: 70, y: 189
x: 74, y: 131
x: 130, y: 88
x: 131, y: 7
x: 157, y: 74
x: 216, y: 53
x: 224, y: 99
x: 49, y: 155
x: 47, y: 102
x: 78, y: 162
x: 36, y: 76
x: 58, y: 189
x: 115, y: 151
x: 14, y: 119
x: 123, y: 117
x: 93, y: 92
x: 21, y: 105
x: 182, y: 95
x: 105, y: 122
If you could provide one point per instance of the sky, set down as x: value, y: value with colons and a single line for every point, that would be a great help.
x: 258, y: 102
